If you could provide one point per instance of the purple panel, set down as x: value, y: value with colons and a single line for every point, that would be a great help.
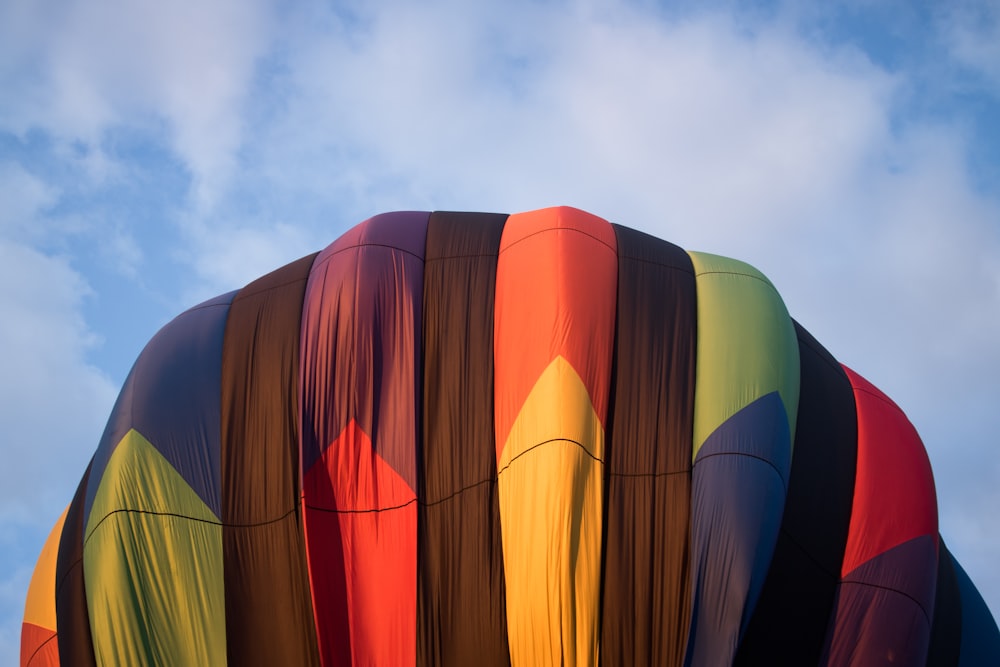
x: 402, y: 230
x: 172, y: 397
x: 739, y: 484
x: 362, y: 316
x: 884, y: 608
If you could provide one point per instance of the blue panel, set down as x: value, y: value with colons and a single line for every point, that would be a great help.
x: 980, y: 636
x: 740, y: 482
x: 172, y: 397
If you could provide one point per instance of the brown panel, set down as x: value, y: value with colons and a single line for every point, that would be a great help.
x: 646, y: 595
x: 73, y: 620
x: 461, y: 601
x: 269, y: 619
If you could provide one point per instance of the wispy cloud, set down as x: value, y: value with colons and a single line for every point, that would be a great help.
x: 163, y: 153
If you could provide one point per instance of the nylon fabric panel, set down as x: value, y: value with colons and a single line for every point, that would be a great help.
x: 980, y: 636
x: 889, y: 509
x: 72, y: 617
x: 885, y: 600
x: 40, y: 602
x: 38, y: 630
x: 746, y: 399
x: 461, y: 599
x: 946, y: 626
x: 39, y: 646
x: 646, y: 596
x: 553, y: 339
x: 269, y: 617
x: 790, y: 621
x: 876, y: 619
x: 359, y: 401
x: 171, y: 396
x: 152, y: 561
x: 361, y: 535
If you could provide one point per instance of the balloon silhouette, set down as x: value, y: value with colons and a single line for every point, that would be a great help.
x: 463, y: 438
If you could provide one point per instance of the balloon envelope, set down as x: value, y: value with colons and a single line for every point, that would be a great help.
x: 474, y: 438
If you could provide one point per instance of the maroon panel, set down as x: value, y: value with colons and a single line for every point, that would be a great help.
x: 890, y: 558
x: 360, y: 384
x: 876, y: 619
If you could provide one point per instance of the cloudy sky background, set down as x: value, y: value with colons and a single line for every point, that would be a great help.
x: 155, y: 154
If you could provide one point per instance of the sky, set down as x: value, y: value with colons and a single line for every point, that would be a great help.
x: 156, y: 154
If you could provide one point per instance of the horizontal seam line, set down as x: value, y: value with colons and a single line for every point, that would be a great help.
x: 744, y: 275
x: 752, y: 456
x: 470, y: 256
x: 365, y: 245
x: 55, y: 634
x: 559, y: 229
x: 642, y: 260
x: 545, y: 442
x: 892, y: 590
x: 649, y: 474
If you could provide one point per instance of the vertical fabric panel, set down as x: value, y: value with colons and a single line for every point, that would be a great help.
x: 980, y: 636
x: 746, y: 400
x: 794, y: 607
x: 171, y: 397
x: 153, y: 563
x: 884, y: 604
x: 554, y: 330
x: 461, y: 602
x: 269, y: 619
x: 946, y: 626
x: 153, y: 540
x: 646, y: 597
x: 72, y: 618
x: 359, y: 400
x: 39, y: 645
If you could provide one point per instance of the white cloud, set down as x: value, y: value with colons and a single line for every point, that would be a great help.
x: 23, y: 196
x: 743, y: 140
x: 972, y: 31
x: 50, y: 397
x: 228, y: 257
x: 98, y: 65
x: 735, y: 137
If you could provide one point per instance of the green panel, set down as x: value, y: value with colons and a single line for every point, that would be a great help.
x: 746, y: 344
x: 152, y: 564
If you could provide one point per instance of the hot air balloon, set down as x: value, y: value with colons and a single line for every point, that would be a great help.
x: 466, y: 438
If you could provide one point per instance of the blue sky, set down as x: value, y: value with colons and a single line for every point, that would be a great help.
x: 155, y: 154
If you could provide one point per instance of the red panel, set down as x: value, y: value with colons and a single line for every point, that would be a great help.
x: 39, y: 647
x: 894, y: 498
x: 550, y: 277
x: 360, y: 390
x: 361, y: 532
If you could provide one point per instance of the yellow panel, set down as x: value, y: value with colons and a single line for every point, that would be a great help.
x: 550, y: 492
x: 153, y: 571
x: 40, y: 606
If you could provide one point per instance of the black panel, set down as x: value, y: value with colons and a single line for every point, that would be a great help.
x: 789, y: 624
x: 73, y: 620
